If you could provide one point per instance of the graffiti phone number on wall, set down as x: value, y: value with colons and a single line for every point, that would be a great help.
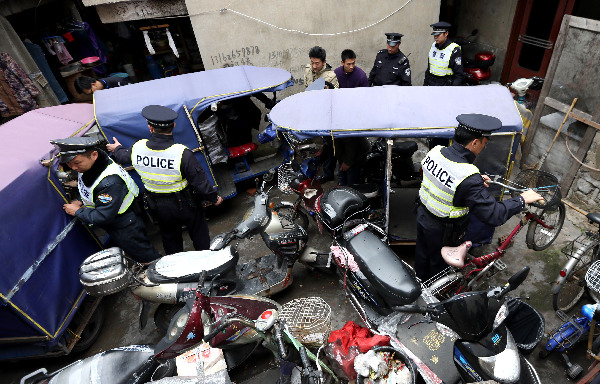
x: 235, y: 55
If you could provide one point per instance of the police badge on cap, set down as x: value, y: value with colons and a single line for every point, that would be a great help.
x: 440, y: 27
x: 393, y: 38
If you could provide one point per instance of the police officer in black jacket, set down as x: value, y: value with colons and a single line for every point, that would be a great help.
x: 444, y: 66
x: 452, y: 188
x: 107, y: 195
x: 174, y: 180
x: 391, y: 66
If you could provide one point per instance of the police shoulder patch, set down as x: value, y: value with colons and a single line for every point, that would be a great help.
x: 407, y: 71
x: 458, y: 61
x: 105, y: 198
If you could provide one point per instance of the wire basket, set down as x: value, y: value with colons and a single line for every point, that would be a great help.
x: 592, y: 277
x: 544, y: 183
x: 308, y: 319
x: 285, y: 174
x: 440, y: 284
x: 575, y: 248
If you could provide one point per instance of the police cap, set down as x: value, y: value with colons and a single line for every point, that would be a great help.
x: 73, y: 146
x: 393, y: 38
x: 159, y: 116
x: 440, y: 27
x: 482, y: 125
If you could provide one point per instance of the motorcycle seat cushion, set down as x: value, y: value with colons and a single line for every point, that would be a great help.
x: 393, y: 279
x: 184, y: 267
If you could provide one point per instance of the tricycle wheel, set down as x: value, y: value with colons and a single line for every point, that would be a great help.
x: 163, y: 315
x: 90, y: 333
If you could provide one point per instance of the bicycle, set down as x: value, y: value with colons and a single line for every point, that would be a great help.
x: 569, y: 286
x: 565, y: 336
x: 544, y: 220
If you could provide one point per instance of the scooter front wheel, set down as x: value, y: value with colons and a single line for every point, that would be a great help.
x: 164, y: 313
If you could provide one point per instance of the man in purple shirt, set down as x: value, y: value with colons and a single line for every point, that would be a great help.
x: 348, y: 74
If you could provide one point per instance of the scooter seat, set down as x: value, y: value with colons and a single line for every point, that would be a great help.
x: 113, y: 366
x: 594, y: 217
x: 394, y: 280
x: 184, y: 267
x: 404, y: 148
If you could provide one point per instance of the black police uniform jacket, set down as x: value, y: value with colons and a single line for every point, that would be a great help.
x: 472, y: 193
x: 108, y: 196
x: 455, y: 64
x: 190, y: 168
x: 390, y: 69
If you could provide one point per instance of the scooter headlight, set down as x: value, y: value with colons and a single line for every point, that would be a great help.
x: 503, y: 367
x: 500, y: 316
x: 178, y: 323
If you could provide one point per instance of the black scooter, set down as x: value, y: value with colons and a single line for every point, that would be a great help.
x: 379, y: 284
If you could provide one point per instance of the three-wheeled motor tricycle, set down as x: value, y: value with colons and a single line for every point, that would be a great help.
x: 44, y: 310
x: 215, y: 117
x: 409, y: 118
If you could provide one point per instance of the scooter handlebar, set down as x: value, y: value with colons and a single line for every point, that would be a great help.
x: 430, y: 309
x: 279, y: 337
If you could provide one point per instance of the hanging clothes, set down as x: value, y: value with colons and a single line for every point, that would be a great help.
x: 37, y: 53
x: 19, y: 92
x: 86, y: 44
x: 61, y: 52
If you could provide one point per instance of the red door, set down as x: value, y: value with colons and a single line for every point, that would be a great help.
x: 535, y: 28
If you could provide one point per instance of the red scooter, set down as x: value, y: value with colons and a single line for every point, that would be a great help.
x: 476, y: 61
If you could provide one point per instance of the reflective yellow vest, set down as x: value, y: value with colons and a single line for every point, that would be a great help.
x: 441, y: 177
x: 87, y: 194
x: 439, y: 60
x: 160, y: 170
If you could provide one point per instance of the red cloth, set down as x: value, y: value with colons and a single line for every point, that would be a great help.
x: 69, y: 37
x: 241, y: 150
x: 352, y: 334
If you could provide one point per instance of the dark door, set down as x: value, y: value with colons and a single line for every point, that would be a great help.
x: 535, y: 28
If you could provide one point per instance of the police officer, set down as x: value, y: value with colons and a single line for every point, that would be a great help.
x: 391, y: 66
x: 445, y: 61
x: 174, y: 180
x: 452, y: 187
x: 107, y: 196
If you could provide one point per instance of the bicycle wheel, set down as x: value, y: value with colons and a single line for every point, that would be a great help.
x: 287, y: 212
x: 573, y: 287
x: 539, y: 238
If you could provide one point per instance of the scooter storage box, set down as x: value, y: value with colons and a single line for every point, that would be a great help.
x: 340, y: 204
x: 104, y: 272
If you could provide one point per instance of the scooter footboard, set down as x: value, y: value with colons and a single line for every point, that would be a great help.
x: 432, y: 347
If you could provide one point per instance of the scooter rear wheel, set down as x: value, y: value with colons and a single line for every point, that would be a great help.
x: 91, y: 332
x: 164, y: 313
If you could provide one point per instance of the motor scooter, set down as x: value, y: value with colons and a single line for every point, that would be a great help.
x: 144, y: 363
x: 476, y: 62
x: 171, y: 280
x: 484, y: 348
x: 377, y: 283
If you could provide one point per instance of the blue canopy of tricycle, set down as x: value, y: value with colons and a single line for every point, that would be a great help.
x: 118, y: 110
x: 41, y: 247
x: 392, y: 111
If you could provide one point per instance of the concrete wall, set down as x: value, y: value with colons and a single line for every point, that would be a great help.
x: 227, y: 38
x: 494, y: 20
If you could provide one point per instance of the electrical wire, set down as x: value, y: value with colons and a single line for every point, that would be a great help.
x: 223, y: 10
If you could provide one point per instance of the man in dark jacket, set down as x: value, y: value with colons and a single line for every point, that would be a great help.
x: 391, y: 65
x: 89, y: 85
x: 107, y: 195
x: 348, y: 74
x: 174, y: 180
x: 452, y: 188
